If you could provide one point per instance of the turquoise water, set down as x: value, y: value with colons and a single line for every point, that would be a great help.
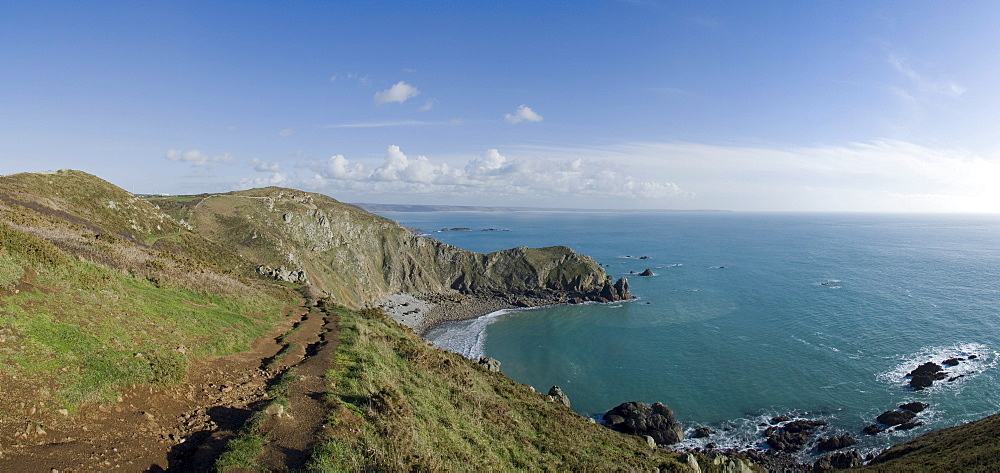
x: 753, y: 315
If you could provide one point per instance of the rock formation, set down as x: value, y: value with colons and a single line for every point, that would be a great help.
x: 638, y: 418
x: 558, y: 395
x: 489, y: 364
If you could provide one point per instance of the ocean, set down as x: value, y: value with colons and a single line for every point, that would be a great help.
x: 752, y: 315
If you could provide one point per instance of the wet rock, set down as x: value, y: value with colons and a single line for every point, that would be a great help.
x: 792, y: 436
x: 638, y: 418
x: 914, y: 406
x: 780, y: 419
x: 702, y: 432
x: 891, y: 418
x: 909, y: 425
x: 925, y: 375
x: 829, y: 444
x: 872, y: 429
x: 647, y: 272
x: 951, y: 361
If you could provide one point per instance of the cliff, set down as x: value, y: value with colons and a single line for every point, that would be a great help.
x: 359, y: 258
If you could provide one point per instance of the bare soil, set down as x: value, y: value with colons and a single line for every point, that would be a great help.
x: 182, y: 427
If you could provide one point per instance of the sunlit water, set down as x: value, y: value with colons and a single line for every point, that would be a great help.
x: 753, y: 315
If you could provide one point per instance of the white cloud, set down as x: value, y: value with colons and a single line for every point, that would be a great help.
x: 339, y: 168
x: 400, y: 93
x: 198, y: 158
x: 524, y: 113
x: 286, y: 132
x: 262, y: 166
x: 274, y: 179
x: 428, y: 104
x: 491, y: 173
x: 923, y: 83
x: 878, y: 175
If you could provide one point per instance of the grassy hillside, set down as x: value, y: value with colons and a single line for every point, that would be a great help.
x: 971, y: 447
x: 100, y: 291
x: 399, y: 404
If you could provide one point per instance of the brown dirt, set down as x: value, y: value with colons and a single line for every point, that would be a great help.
x: 182, y: 427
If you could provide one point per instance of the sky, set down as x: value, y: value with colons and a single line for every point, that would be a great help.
x: 867, y: 106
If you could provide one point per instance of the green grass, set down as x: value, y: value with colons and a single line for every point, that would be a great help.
x: 84, y: 331
x: 398, y: 404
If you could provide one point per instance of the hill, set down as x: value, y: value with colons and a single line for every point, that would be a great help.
x: 176, y: 316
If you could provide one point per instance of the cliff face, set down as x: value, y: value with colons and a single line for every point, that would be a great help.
x: 360, y: 258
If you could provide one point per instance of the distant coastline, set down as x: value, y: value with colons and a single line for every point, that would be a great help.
x: 473, y: 208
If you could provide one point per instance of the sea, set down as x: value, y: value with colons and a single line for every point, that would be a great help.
x: 749, y: 316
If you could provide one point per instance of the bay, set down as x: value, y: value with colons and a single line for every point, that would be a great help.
x: 753, y: 315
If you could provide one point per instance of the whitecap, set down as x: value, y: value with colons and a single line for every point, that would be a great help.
x: 465, y: 337
x: 966, y: 369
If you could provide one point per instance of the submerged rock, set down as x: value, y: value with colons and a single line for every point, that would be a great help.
x: 702, y: 432
x: 914, y: 406
x: 872, y: 429
x: 638, y: 418
x: 951, y: 361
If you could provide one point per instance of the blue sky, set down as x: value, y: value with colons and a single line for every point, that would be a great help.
x: 828, y: 106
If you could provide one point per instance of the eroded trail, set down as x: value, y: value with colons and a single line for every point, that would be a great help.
x: 186, y: 427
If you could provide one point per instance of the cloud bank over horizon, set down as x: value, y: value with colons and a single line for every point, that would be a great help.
x: 882, y: 175
x: 490, y: 175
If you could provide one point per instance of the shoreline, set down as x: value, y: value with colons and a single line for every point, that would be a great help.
x: 423, y: 312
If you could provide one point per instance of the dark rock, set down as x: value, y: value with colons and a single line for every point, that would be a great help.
x: 780, y: 419
x: 973, y: 357
x: 928, y: 368
x: 951, y: 361
x: 872, y: 429
x: 702, y: 432
x: 909, y: 425
x: 638, y: 418
x: 891, y: 418
x: 789, y: 442
x: 955, y: 377
x: 643, y: 257
x: 839, y: 461
x: 792, y: 436
x: 558, y: 395
x: 803, y: 425
x: 914, y: 406
x: 647, y: 272
x: 828, y: 444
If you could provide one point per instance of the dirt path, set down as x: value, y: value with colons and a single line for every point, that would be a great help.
x: 291, y: 435
x: 185, y: 427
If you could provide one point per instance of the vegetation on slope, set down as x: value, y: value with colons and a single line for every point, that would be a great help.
x: 359, y: 258
x: 972, y: 447
x: 399, y: 404
x: 93, y: 303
